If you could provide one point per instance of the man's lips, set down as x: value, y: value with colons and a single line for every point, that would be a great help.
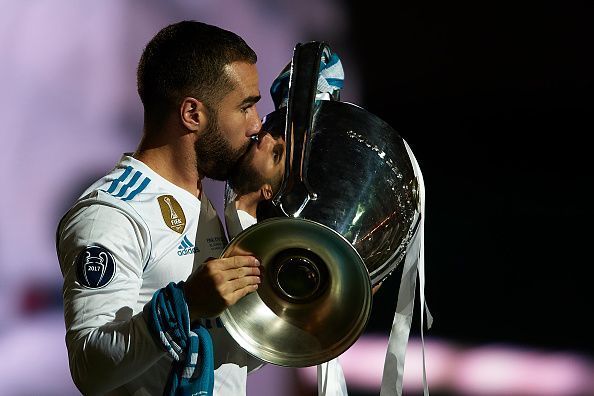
x: 258, y: 138
x: 247, y: 153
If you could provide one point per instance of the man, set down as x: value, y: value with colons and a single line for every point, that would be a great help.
x: 258, y: 178
x: 133, y: 237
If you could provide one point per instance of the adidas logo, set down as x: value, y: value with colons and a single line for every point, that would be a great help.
x: 186, y: 247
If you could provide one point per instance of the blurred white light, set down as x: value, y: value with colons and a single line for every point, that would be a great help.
x: 490, y: 370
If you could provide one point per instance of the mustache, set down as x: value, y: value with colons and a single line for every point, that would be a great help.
x: 243, y: 159
x: 246, y: 151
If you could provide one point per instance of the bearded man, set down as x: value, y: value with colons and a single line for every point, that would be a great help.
x: 142, y: 291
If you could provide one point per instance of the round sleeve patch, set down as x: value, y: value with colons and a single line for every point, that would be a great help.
x: 95, y: 267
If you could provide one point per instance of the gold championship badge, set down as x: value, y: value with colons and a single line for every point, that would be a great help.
x: 172, y: 213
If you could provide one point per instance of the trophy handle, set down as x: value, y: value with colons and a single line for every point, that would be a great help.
x: 295, y: 192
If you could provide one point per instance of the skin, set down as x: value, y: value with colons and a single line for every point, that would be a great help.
x: 264, y: 162
x: 171, y: 149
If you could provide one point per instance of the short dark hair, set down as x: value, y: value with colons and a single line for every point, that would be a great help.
x: 187, y: 59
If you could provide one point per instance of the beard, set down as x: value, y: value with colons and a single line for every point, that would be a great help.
x: 215, y: 158
x: 244, y: 177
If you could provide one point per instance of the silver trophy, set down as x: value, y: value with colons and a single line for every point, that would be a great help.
x: 338, y: 223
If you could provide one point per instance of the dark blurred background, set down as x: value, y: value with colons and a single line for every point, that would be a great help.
x: 494, y: 98
x: 496, y: 101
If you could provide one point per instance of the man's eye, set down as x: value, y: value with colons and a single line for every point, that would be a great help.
x: 277, y: 154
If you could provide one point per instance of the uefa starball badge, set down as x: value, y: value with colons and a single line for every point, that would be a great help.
x: 95, y: 267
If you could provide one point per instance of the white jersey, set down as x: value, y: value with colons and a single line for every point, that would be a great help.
x: 129, y: 234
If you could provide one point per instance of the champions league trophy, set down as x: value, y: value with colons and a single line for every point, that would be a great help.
x: 343, y: 219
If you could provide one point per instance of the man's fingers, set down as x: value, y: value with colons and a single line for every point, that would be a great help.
x: 238, y: 288
x: 242, y: 292
x: 237, y: 273
x: 246, y: 281
x: 234, y: 285
x: 237, y: 251
x: 234, y: 268
x: 225, y: 280
x: 376, y: 288
x: 238, y: 262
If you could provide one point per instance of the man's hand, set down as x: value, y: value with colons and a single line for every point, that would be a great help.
x: 220, y: 283
x: 376, y: 288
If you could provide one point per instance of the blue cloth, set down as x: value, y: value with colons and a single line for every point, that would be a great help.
x: 330, y: 80
x: 192, y: 372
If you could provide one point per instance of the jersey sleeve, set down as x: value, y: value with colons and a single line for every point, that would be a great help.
x: 102, y: 249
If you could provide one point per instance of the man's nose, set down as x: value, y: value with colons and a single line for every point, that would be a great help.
x: 255, y: 124
x: 267, y: 139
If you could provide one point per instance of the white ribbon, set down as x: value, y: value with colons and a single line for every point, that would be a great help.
x: 414, y: 262
x: 331, y: 380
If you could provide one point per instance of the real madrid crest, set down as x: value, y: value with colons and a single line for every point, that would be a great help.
x: 172, y: 213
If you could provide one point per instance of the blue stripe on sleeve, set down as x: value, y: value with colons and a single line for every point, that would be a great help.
x: 142, y: 186
x: 117, y: 181
x: 129, y: 184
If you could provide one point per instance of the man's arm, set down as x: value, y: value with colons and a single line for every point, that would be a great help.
x: 100, y: 249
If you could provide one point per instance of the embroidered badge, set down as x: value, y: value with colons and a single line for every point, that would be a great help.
x: 95, y: 267
x: 173, y: 215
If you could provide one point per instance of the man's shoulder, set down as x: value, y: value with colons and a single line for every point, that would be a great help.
x: 125, y: 183
x: 116, y: 194
x: 132, y: 192
x: 102, y: 218
x: 127, y: 187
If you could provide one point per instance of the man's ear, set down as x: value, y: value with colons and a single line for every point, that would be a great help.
x: 266, y: 192
x: 193, y: 114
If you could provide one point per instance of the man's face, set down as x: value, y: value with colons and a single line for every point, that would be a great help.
x: 263, y: 165
x: 229, y: 126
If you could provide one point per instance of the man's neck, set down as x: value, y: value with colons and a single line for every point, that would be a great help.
x: 173, y: 159
x: 249, y: 202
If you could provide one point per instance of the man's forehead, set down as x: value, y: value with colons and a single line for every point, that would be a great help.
x: 244, y: 77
